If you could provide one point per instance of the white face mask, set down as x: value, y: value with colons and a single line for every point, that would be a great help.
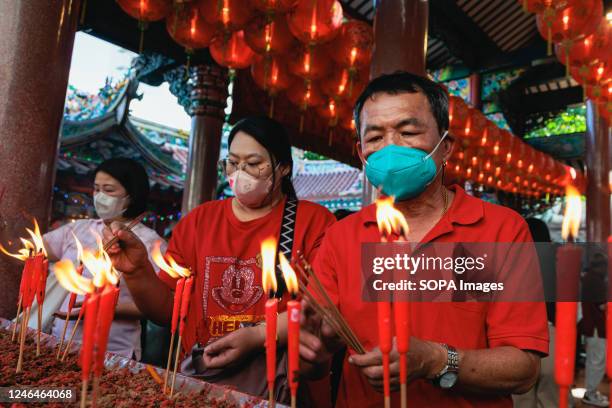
x: 109, y: 207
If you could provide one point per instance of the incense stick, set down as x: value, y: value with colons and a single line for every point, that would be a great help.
x: 169, y: 359
x: 17, y: 318
x: 176, y: 359
x: 329, y: 310
x: 74, y: 329
x: 129, y: 227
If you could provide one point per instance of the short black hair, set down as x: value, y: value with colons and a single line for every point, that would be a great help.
x: 274, y: 138
x: 133, y: 177
x: 401, y: 82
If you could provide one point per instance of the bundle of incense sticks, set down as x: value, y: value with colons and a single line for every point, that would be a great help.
x: 315, y: 293
x: 129, y: 227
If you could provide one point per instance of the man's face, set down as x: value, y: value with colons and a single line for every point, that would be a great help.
x: 403, y: 119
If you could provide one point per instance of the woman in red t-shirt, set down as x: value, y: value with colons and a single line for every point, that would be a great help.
x: 220, y: 241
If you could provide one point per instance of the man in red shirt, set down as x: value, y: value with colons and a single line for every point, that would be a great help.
x: 470, y: 354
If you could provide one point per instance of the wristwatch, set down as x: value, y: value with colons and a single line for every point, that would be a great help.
x: 448, y: 376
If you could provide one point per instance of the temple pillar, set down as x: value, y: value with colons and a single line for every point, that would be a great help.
x: 475, y: 91
x: 400, y: 44
x: 208, y: 99
x: 598, y: 156
x: 35, y: 54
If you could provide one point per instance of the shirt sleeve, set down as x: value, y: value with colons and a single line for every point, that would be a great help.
x: 325, y: 266
x: 318, y: 224
x: 56, y: 239
x: 519, y: 324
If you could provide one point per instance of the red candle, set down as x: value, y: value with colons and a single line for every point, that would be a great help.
x: 569, y: 261
x: 268, y: 281
x: 89, y: 332
x: 106, y: 314
x: 29, y: 280
x: 294, y: 309
x: 384, y: 339
x: 608, y: 312
x: 185, y: 298
x: 271, y: 316
x: 43, y: 270
x: 178, y: 292
x: 402, y: 334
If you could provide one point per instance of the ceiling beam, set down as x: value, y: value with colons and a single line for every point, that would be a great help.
x: 463, y: 37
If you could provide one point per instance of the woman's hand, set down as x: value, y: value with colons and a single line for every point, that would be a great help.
x: 425, y: 360
x: 234, y: 347
x: 129, y: 254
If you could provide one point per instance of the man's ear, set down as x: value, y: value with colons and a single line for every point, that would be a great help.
x: 448, y: 146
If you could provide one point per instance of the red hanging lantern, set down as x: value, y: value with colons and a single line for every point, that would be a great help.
x: 343, y: 84
x: 227, y: 15
x: 273, y: 6
x: 271, y: 74
x: 269, y: 36
x: 352, y: 48
x: 315, y: 21
x: 347, y: 121
x: 592, y: 74
x: 146, y: 10
x: 305, y: 94
x: 599, y: 92
x: 474, y: 126
x: 231, y: 51
x: 458, y: 114
x: 308, y: 62
x: 187, y: 27
x: 578, y: 19
x: 589, y: 49
x: 332, y: 110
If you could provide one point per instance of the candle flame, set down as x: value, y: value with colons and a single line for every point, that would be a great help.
x: 573, y: 213
x: 288, y: 274
x: 37, y: 240
x: 390, y: 220
x: 171, y: 267
x: 268, y: 256
x: 69, y: 278
x: 35, y: 246
x: 99, y: 264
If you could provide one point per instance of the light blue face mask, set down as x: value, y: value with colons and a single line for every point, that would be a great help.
x: 402, y: 172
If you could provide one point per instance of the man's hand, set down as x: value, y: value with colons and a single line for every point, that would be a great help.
x: 129, y: 253
x: 318, y: 343
x: 425, y: 360
x: 234, y: 347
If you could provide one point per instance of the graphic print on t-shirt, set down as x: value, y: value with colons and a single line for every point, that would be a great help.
x: 235, y: 286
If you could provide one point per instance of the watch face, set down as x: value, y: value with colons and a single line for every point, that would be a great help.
x: 448, y: 379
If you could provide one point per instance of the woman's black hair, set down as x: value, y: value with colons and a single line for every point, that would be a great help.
x: 539, y: 230
x: 273, y: 137
x: 133, y: 177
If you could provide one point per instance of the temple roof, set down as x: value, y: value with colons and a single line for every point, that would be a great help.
x: 98, y: 127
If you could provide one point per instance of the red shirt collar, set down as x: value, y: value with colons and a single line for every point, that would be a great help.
x: 464, y: 209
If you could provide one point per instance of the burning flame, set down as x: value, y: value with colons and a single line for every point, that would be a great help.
x: 389, y: 219
x: 268, y: 255
x: 171, y: 267
x: 100, y: 265
x: 70, y: 279
x: 573, y: 213
x: 288, y: 274
x: 35, y: 246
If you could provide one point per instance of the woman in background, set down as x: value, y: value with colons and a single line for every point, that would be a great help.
x: 121, y: 189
